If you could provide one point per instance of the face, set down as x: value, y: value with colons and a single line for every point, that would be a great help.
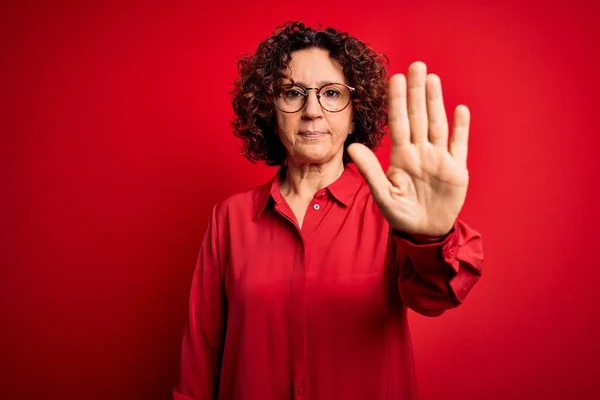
x: 313, y: 135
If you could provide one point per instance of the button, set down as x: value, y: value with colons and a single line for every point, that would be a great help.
x: 300, y: 391
x: 450, y: 253
x: 316, y: 207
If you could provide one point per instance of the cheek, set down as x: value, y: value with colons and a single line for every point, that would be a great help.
x: 286, y: 127
x: 341, y: 124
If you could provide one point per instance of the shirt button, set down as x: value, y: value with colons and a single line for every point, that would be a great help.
x: 316, y: 207
x: 300, y: 391
x: 450, y: 253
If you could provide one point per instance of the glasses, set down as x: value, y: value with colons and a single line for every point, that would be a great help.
x: 333, y: 97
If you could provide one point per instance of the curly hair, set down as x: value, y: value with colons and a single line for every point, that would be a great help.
x: 254, y: 90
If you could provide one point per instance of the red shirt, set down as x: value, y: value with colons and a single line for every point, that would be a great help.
x: 277, y: 312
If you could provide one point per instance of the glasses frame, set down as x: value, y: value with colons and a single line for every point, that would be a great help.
x: 318, y: 93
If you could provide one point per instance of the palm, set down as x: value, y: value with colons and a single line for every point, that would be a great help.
x: 426, y: 183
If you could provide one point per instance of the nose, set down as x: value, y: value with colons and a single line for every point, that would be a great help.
x: 312, y: 108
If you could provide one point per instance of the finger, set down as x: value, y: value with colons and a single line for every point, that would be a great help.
x: 417, y: 105
x: 367, y: 163
x: 436, y: 112
x: 397, y: 115
x: 459, y: 142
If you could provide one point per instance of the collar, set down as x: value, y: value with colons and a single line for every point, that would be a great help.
x: 344, y: 189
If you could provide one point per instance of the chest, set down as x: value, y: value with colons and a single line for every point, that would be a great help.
x: 340, y: 256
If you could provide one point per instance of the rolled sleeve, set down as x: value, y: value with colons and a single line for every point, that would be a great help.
x: 437, y: 276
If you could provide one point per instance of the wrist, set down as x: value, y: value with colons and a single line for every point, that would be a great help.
x: 422, y: 238
x: 426, y: 238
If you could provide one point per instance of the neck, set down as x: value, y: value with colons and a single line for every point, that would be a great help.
x: 305, y: 179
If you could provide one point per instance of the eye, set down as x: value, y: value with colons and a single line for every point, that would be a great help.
x: 293, y: 94
x: 332, y: 93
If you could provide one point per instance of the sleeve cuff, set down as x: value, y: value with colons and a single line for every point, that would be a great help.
x: 429, y: 255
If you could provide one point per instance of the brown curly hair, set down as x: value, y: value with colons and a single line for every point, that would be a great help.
x: 259, y: 74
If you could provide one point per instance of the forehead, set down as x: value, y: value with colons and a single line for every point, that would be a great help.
x: 314, y: 66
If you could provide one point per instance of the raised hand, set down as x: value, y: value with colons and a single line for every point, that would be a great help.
x: 425, y: 186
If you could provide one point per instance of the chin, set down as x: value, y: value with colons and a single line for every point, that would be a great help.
x: 314, y: 154
x: 315, y: 158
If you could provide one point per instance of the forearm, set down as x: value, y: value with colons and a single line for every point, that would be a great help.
x: 437, y: 275
x: 199, y: 370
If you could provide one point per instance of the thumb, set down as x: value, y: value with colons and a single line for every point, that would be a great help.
x: 367, y: 163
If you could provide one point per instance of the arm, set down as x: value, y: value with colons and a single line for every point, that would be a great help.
x: 436, y: 276
x: 423, y: 192
x: 202, y: 345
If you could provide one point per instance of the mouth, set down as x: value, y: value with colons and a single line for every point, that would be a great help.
x: 312, y: 134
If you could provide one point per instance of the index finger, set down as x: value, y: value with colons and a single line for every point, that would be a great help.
x: 398, y: 113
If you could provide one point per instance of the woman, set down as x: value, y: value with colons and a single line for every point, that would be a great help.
x: 302, y: 285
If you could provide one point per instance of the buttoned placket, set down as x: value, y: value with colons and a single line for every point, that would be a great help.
x: 317, y: 209
x: 315, y: 213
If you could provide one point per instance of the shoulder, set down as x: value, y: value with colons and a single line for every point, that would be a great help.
x: 243, y: 204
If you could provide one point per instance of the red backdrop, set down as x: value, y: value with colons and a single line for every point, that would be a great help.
x: 116, y: 145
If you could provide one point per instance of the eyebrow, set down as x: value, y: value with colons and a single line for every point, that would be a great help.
x: 302, y: 84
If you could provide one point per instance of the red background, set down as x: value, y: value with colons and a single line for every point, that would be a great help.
x: 116, y: 144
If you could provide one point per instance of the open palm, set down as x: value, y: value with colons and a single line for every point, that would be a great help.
x: 425, y: 186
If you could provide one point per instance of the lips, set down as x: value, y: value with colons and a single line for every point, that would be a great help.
x: 312, y: 133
